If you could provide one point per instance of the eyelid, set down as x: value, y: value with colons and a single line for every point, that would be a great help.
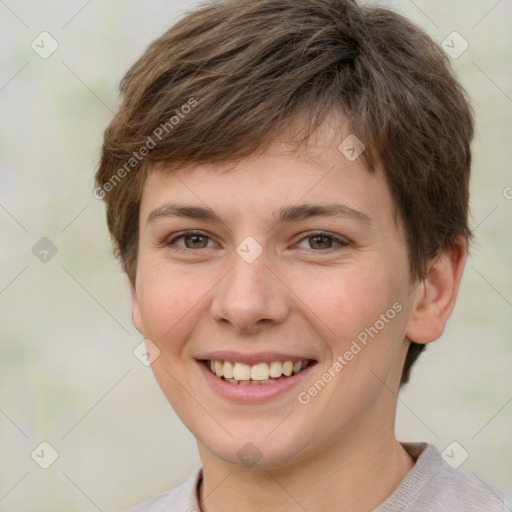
x: 176, y: 236
x: 341, y: 241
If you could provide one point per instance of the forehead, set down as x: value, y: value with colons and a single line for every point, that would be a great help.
x: 274, y: 181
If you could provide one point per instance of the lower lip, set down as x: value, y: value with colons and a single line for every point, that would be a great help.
x: 252, y: 392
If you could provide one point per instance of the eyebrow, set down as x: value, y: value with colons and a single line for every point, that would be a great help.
x: 286, y: 214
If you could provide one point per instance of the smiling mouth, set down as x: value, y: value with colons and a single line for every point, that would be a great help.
x: 257, y: 374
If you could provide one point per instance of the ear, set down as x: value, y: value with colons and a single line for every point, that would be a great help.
x: 136, y: 314
x: 437, y: 293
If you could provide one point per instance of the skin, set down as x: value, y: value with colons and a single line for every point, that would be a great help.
x: 304, y: 295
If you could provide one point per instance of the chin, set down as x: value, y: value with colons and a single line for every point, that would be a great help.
x: 254, y: 448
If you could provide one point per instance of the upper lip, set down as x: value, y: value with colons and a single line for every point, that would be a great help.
x: 251, y: 359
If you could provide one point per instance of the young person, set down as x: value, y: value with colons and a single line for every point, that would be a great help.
x: 286, y: 187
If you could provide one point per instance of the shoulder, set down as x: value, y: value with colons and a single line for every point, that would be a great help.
x: 182, y: 498
x: 434, y: 486
x: 470, y: 494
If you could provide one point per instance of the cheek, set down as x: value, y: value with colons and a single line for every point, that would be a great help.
x: 345, y: 301
x: 163, y: 295
x: 171, y: 301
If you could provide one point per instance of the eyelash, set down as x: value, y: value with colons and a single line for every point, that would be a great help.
x: 342, y: 242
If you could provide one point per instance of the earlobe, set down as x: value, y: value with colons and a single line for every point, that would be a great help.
x: 136, y: 315
x: 437, y: 293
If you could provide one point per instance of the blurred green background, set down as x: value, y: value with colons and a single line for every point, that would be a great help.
x: 67, y: 372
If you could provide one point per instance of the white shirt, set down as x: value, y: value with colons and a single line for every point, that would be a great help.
x: 430, y: 486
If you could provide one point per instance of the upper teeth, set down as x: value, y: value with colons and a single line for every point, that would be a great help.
x: 260, y: 371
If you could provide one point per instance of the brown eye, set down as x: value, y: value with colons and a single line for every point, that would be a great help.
x: 195, y: 241
x: 324, y: 242
x: 320, y: 242
x: 192, y: 240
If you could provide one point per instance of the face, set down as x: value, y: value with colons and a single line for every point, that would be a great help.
x: 288, y: 274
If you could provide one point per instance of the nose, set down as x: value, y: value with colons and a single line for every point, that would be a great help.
x: 250, y: 298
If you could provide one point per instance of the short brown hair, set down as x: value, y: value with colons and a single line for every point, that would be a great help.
x: 250, y: 67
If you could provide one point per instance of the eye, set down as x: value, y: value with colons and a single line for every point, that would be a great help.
x: 197, y: 240
x: 192, y: 240
x: 324, y: 241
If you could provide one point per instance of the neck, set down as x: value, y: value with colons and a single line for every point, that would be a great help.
x: 357, y: 473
